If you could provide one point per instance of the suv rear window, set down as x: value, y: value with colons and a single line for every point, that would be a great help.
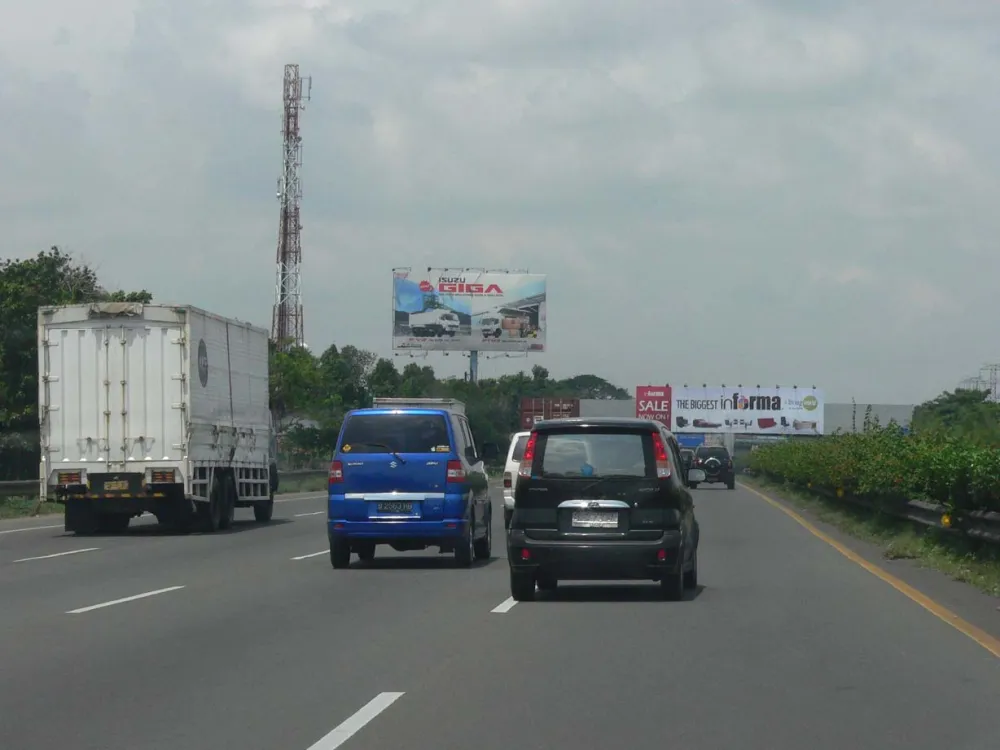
x: 519, y: 444
x: 713, y: 451
x: 401, y: 433
x: 596, y: 453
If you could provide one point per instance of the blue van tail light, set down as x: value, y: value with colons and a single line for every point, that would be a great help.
x: 660, y: 453
x: 528, y: 457
x: 336, y: 472
x: 455, y: 471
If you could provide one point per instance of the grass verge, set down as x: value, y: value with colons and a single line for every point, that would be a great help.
x: 22, y: 507
x: 962, y: 559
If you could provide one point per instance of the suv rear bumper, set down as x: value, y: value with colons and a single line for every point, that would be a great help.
x: 388, y: 530
x: 597, y: 560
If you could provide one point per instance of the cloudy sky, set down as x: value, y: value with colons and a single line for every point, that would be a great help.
x: 720, y: 191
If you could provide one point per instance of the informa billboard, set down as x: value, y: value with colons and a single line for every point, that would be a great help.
x: 467, y: 310
x: 653, y: 402
x: 761, y: 411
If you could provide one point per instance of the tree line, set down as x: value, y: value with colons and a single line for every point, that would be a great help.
x: 309, y: 394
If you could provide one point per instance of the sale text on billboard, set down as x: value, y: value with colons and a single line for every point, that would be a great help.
x: 468, y: 310
x: 784, y: 410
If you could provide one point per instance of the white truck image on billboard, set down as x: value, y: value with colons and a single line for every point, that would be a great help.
x: 153, y: 408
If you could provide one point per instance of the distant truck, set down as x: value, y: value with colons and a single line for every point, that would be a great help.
x: 153, y: 408
x: 434, y: 323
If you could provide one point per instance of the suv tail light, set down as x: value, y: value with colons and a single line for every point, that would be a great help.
x: 455, y: 471
x: 660, y: 454
x: 336, y: 472
x: 506, y: 480
x: 524, y: 468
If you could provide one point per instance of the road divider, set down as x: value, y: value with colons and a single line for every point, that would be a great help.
x: 113, y: 602
x: 32, y: 528
x: 361, y: 718
x: 314, y: 513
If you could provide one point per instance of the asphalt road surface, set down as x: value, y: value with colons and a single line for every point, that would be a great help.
x: 250, y: 640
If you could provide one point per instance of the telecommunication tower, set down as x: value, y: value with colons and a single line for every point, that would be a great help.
x: 287, y: 324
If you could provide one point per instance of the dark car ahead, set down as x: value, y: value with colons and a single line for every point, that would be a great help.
x: 717, y: 464
x: 602, y: 499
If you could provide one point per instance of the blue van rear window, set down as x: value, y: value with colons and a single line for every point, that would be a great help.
x: 401, y: 433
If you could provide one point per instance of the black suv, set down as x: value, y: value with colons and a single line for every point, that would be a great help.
x: 602, y: 499
x: 717, y: 464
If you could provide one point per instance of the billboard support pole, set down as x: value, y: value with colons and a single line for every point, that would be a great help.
x: 473, y: 366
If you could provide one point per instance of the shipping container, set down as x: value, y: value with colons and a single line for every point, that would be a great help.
x: 536, y: 409
x: 153, y: 408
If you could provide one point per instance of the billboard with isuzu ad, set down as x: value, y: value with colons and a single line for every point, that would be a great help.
x: 467, y: 310
x: 783, y: 410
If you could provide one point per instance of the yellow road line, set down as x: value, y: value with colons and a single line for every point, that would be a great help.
x: 944, y: 614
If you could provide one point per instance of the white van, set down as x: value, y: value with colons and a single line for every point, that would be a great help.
x: 514, y: 454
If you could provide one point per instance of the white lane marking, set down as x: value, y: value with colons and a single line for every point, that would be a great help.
x: 311, y: 554
x: 505, y: 606
x: 58, y: 554
x: 357, y: 722
x: 280, y: 499
x: 92, y: 607
x: 316, y: 513
x: 32, y: 528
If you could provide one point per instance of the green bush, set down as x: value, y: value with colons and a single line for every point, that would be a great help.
x: 884, y: 463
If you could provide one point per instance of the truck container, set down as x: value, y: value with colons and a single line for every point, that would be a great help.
x: 536, y: 409
x: 153, y: 408
x: 451, y: 404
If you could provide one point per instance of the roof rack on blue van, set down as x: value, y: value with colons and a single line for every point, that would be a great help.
x: 449, y: 404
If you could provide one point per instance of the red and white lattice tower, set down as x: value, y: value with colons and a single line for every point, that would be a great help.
x: 287, y: 325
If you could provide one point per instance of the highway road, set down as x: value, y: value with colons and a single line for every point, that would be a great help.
x: 250, y: 640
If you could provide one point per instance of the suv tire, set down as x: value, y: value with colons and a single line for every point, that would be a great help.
x: 340, y: 553
x: 483, y: 548
x: 465, y: 548
x: 672, y: 583
x: 691, y: 576
x: 522, y: 585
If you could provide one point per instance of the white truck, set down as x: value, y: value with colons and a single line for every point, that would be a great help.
x: 434, y: 323
x: 153, y: 408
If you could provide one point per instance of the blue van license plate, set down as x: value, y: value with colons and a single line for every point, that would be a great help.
x: 395, y: 507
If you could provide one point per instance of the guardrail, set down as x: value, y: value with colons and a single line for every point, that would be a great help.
x: 29, y: 487
x: 975, y: 524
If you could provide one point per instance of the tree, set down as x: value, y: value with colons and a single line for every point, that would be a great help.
x: 965, y: 412
x: 50, y: 278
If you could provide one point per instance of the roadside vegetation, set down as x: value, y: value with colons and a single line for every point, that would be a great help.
x: 950, y: 457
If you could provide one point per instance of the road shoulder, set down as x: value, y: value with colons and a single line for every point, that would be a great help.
x: 967, y: 602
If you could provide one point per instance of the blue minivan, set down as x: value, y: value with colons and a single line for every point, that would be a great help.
x: 410, y: 477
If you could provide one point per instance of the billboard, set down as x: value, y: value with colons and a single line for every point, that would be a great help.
x: 761, y: 411
x: 653, y: 402
x: 446, y: 310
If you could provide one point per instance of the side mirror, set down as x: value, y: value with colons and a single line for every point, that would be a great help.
x: 695, y: 476
x: 490, y: 451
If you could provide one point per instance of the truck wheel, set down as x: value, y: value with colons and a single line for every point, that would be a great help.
x: 263, y: 510
x: 113, y: 523
x: 210, y: 513
x: 228, y: 510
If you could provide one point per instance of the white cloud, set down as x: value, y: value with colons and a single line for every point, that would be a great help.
x: 801, y: 193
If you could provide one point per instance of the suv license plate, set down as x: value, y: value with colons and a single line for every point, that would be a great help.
x: 395, y: 507
x: 593, y: 520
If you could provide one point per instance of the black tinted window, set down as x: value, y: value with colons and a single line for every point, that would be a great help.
x: 402, y: 433
x: 519, y: 444
x: 593, y: 453
x: 714, y: 451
